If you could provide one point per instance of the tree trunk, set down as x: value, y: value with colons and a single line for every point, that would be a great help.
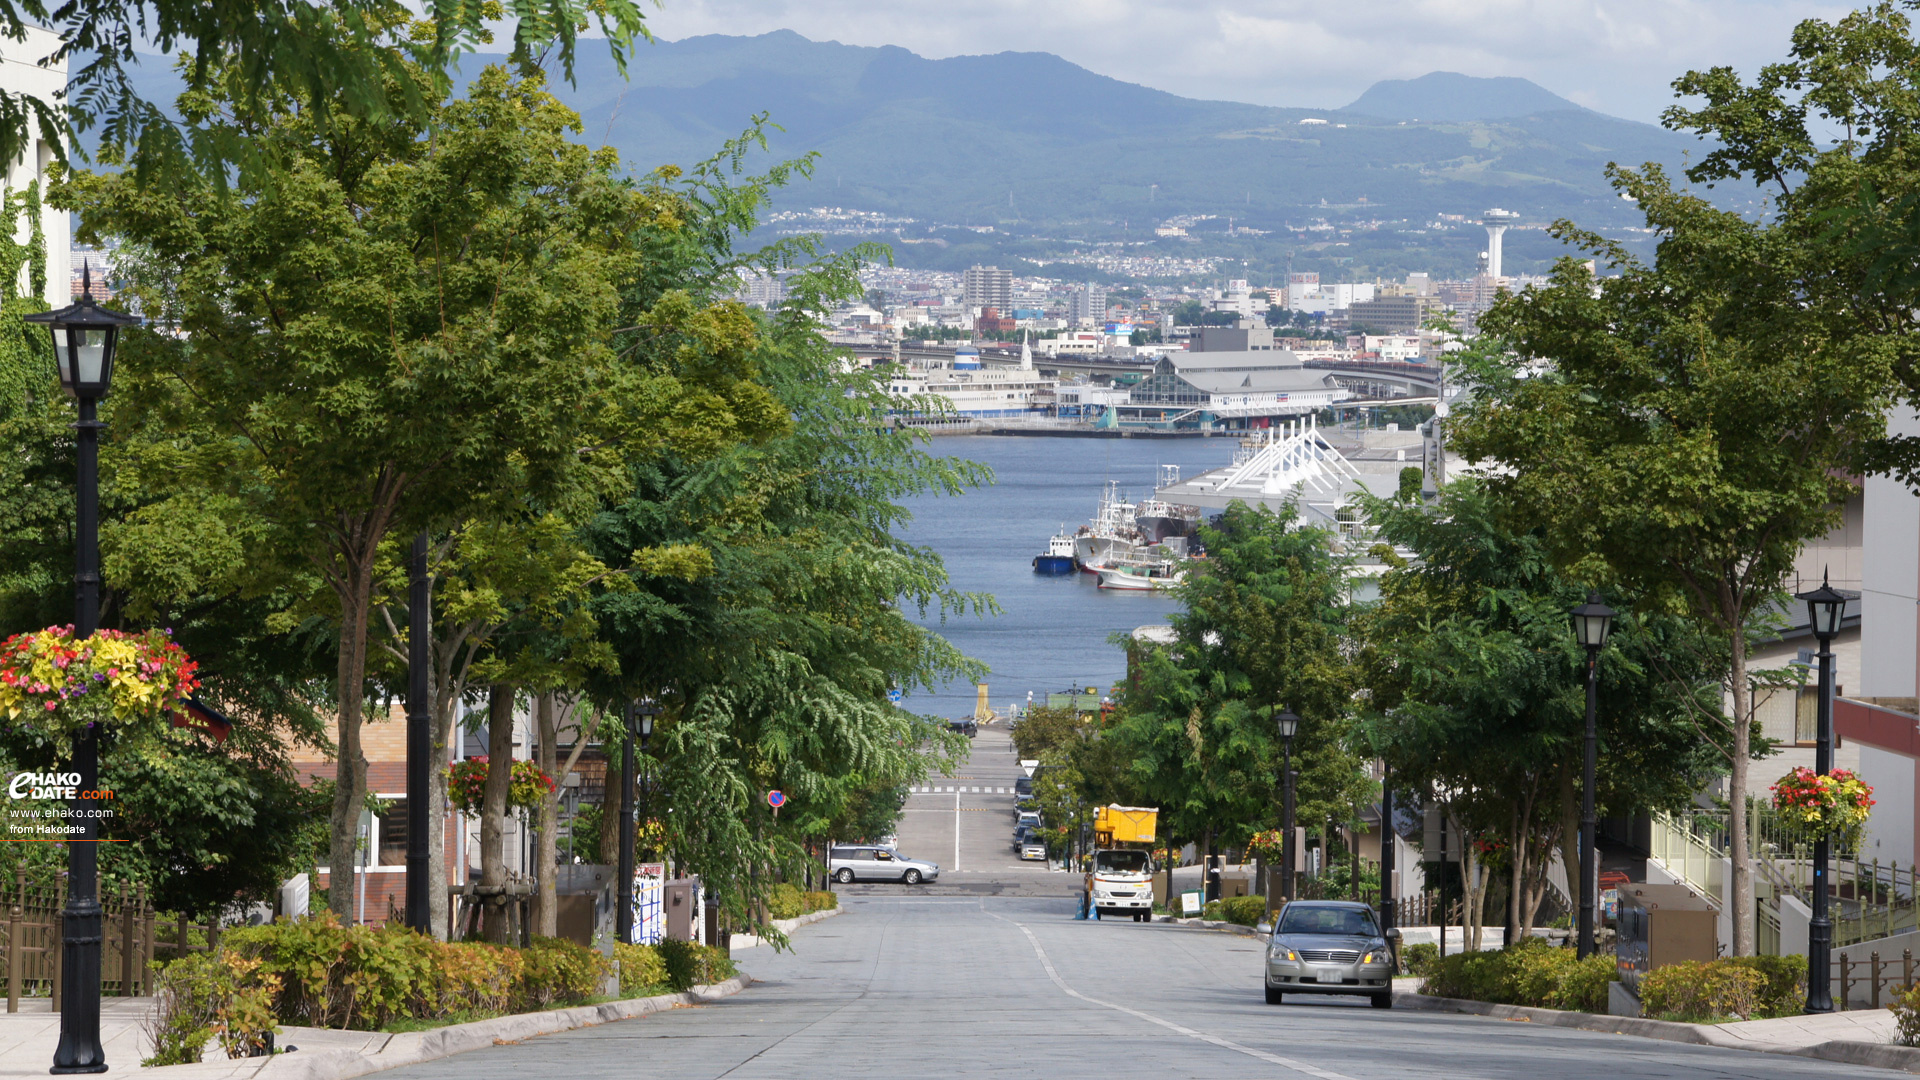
x: 546, y: 903
x: 1737, y: 840
x: 1570, y: 839
x: 612, y: 804
x: 493, y: 811
x: 446, y: 706
x: 354, y: 589
x: 1516, y: 863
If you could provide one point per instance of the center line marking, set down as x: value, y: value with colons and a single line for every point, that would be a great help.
x: 1225, y: 1044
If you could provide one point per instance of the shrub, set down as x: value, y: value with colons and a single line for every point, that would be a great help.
x: 784, y: 901
x: 471, y: 977
x: 1531, y: 972
x: 559, y: 971
x: 689, y: 965
x: 822, y: 901
x: 206, y: 996
x: 1785, y: 991
x: 1693, y: 991
x: 1475, y: 976
x: 1583, y: 987
x: 1906, y: 1016
x: 1240, y: 910
x: 1420, y: 958
x: 641, y: 968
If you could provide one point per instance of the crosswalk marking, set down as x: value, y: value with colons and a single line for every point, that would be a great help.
x: 935, y: 789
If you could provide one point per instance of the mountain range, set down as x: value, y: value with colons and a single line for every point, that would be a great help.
x: 1045, y: 150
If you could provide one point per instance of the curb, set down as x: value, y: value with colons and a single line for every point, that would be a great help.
x: 1874, y: 1055
x: 785, y: 926
x: 1210, y: 924
x: 413, y: 1048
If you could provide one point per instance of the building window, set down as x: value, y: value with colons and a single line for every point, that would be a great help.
x: 390, y: 833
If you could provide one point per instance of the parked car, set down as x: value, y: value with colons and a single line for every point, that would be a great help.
x: 1023, y: 788
x: 1329, y: 947
x: 968, y: 727
x: 1033, y: 847
x: 865, y: 862
x: 1029, y: 817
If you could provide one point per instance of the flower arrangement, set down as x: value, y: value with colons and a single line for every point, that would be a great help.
x: 1270, y: 844
x: 59, y: 684
x: 467, y: 785
x: 1834, y: 806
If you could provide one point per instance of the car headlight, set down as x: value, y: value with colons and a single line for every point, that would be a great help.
x: 1285, y: 954
x: 1367, y: 959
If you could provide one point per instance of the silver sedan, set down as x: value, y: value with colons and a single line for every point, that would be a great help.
x: 1329, y: 947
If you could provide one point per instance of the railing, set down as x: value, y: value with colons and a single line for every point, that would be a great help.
x: 1685, y: 846
x: 1879, y: 975
x: 130, y: 942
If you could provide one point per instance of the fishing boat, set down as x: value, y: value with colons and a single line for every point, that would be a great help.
x: 1158, y: 519
x: 1140, y: 575
x: 1059, y: 558
x: 1112, y: 536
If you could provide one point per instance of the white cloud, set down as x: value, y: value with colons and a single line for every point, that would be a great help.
x: 1618, y: 56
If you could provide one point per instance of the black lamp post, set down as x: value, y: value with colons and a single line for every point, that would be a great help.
x: 1592, y: 621
x: 1288, y: 724
x: 1825, y: 606
x: 419, y: 738
x: 639, y: 717
x: 84, y: 338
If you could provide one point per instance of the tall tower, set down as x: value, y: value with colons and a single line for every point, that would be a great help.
x: 1496, y: 221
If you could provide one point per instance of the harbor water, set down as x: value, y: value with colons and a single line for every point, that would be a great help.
x: 1052, y: 631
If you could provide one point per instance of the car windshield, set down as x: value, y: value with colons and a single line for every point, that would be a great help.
x: 1121, y: 862
x: 1345, y: 922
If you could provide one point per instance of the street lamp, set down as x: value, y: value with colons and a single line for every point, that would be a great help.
x: 1592, y: 622
x: 640, y: 715
x: 1825, y: 606
x: 84, y: 338
x: 1288, y: 724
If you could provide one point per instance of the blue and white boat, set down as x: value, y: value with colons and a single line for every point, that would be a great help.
x: 1059, y: 557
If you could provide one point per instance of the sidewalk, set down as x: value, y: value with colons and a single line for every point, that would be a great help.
x: 1862, y: 1037
x: 28, y: 1039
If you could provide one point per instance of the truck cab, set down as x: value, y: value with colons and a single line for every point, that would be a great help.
x: 1120, y: 879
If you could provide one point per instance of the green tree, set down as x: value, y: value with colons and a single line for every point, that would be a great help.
x: 1681, y: 428
x: 1476, y: 687
x: 393, y: 324
x: 1264, y: 627
x: 341, y: 60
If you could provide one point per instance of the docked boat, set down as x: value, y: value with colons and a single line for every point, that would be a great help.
x: 1111, y: 537
x: 1159, y: 520
x: 1142, y: 575
x: 1059, y: 558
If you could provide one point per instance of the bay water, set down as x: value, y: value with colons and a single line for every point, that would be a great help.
x: 1052, y: 631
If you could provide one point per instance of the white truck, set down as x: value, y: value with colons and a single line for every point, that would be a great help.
x: 1120, y: 881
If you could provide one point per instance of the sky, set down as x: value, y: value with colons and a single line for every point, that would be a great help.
x: 1615, y: 56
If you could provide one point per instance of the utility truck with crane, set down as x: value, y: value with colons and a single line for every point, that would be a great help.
x: 1120, y: 878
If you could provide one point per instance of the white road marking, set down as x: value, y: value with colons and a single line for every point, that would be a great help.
x: 1225, y: 1044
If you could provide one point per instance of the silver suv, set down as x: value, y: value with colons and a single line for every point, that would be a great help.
x: 867, y: 862
x: 1329, y: 947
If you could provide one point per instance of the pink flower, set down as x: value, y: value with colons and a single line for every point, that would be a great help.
x: 51, y: 705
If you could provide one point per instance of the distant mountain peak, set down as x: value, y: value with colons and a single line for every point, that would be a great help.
x: 1449, y: 95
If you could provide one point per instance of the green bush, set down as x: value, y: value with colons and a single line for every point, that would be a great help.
x: 1532, y: 972
x: 689, y: 965
x: 365, y: 978
x: 1693, y: 991
x: 1240, y: 910
x: 785, y: 901
x: 559, y: 971
x: 822, y: 901
x: 641, y: 969
x: 1420, y: 958
x: 206, y: 996
x: 1785, y: 991
x: 1906, y: 1016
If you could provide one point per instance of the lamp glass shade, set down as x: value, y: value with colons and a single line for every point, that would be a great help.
x: 646, y: 723
x: 1287, y: 722
x: 1592, y: 622
x: 84, y: 335
x: 1826, y: 606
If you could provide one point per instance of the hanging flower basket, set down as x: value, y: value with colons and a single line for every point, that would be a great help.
x: 1835, y: 806
x: 58, y: 685
x: 1269, y: 845
x: 467, y: 785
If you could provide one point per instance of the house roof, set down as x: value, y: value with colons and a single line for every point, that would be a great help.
x: 1271, y: 380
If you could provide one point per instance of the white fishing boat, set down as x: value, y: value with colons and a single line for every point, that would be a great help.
x: 1142, y: 575
x: 1111, y: 537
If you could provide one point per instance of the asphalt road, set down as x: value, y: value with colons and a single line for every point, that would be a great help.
x: 988, y: 975
x: 911, y: 985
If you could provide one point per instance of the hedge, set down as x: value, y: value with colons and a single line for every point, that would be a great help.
x: 786, y: 901
x: 317, y: 973
x: 1240, y: 910
x: 1531, y: 972
x: 689, y: 965
x: 1747, y: 987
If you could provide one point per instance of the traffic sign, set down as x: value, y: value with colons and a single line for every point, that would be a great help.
x: 776, y: 799
x: 894, y: 695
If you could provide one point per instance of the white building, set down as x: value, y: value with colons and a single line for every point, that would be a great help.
x: 1326, y: 299
x: 1086, y: 305
x: 988, y: 287
x: 21, y: 73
